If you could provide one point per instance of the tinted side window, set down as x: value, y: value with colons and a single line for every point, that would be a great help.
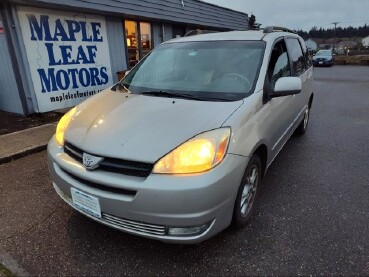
x: 296, y: 56
x: 279, y: 65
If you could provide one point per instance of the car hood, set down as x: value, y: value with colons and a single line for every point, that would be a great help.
x: 141, y: 128
x: 322, y: 57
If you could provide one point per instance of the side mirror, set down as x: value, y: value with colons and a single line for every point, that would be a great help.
x: 314, y: 54
x: 287, y: 86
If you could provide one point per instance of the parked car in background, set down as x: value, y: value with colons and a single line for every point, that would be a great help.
x: 323, y: 58
x: 176, y: 151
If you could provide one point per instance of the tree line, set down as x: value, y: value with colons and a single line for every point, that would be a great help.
x: 347, y: 32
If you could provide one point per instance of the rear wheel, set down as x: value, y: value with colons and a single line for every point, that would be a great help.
x: 247, y: 192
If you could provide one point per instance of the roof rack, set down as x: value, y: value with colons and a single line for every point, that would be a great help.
x: 198, y: 32
x: 271, y: 29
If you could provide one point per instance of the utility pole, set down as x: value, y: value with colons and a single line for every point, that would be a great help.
x: 334, y: 38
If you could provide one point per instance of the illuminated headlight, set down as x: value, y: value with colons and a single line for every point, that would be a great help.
x: 199, y: 154
x: 63, y: 125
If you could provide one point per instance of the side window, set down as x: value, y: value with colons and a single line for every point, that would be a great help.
x: 296, y: 56
x: 279, y: 65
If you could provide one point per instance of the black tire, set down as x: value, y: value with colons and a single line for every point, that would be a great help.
x: 301, y: 129
x: 243, y: 214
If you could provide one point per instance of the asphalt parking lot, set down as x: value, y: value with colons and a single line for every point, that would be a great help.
x: 312, y: 216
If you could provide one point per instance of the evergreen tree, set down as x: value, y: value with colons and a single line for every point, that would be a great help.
x: 347, y: 32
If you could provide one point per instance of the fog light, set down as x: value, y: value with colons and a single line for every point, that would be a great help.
x: 188, y: 231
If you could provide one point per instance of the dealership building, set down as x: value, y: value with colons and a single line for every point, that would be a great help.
x: 56, y: 53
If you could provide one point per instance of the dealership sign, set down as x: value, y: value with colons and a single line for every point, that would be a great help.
x: 68, y: 56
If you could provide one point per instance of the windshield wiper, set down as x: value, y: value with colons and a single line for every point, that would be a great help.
x: 162, y: 93
x: 159, y: 93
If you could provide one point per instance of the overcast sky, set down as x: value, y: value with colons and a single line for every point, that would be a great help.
x: 302, y: 14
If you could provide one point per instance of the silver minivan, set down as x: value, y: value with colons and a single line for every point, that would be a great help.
x: 177, y: 149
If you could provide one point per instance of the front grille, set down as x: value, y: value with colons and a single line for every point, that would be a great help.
x: 131, y: 168
x: 125, y: 224
x: 73, y: 152
x: 134, y: 225
x: 127, y: 192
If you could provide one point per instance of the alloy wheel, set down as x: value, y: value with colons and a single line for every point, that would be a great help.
x: 249, y: 191
x: 306, y: 118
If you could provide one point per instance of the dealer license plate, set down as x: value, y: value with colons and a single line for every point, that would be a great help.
x: 86, y: 203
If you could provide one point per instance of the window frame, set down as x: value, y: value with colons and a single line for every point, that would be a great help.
x: 305, y: 51
x: 267, y: 89
x: 289, y: 50
x: 139, y: 40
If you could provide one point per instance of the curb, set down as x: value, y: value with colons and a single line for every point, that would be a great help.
x: 23, y: 153
x: 22, y: 143
x: 32, y: 128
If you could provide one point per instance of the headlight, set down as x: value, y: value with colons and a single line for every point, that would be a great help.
x: 198, y: 154
x: 63, y: 125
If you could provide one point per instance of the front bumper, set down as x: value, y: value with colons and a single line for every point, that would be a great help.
x: 150, y: 206
x: 322, y: 62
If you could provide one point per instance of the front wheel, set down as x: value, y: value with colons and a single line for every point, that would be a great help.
x: 301, y: 129
x: 247, y: 192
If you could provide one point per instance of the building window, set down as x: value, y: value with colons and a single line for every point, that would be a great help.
x: 138, y: 40
x: 146, y: 41
x: 179, y: 31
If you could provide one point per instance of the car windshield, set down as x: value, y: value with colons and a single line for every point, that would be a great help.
x: 207, y: 70
x: 324, y: 53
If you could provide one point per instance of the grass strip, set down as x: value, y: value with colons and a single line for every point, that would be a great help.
x: 6, y: 271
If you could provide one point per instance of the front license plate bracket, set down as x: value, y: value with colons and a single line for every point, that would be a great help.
x: 86, y: 203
